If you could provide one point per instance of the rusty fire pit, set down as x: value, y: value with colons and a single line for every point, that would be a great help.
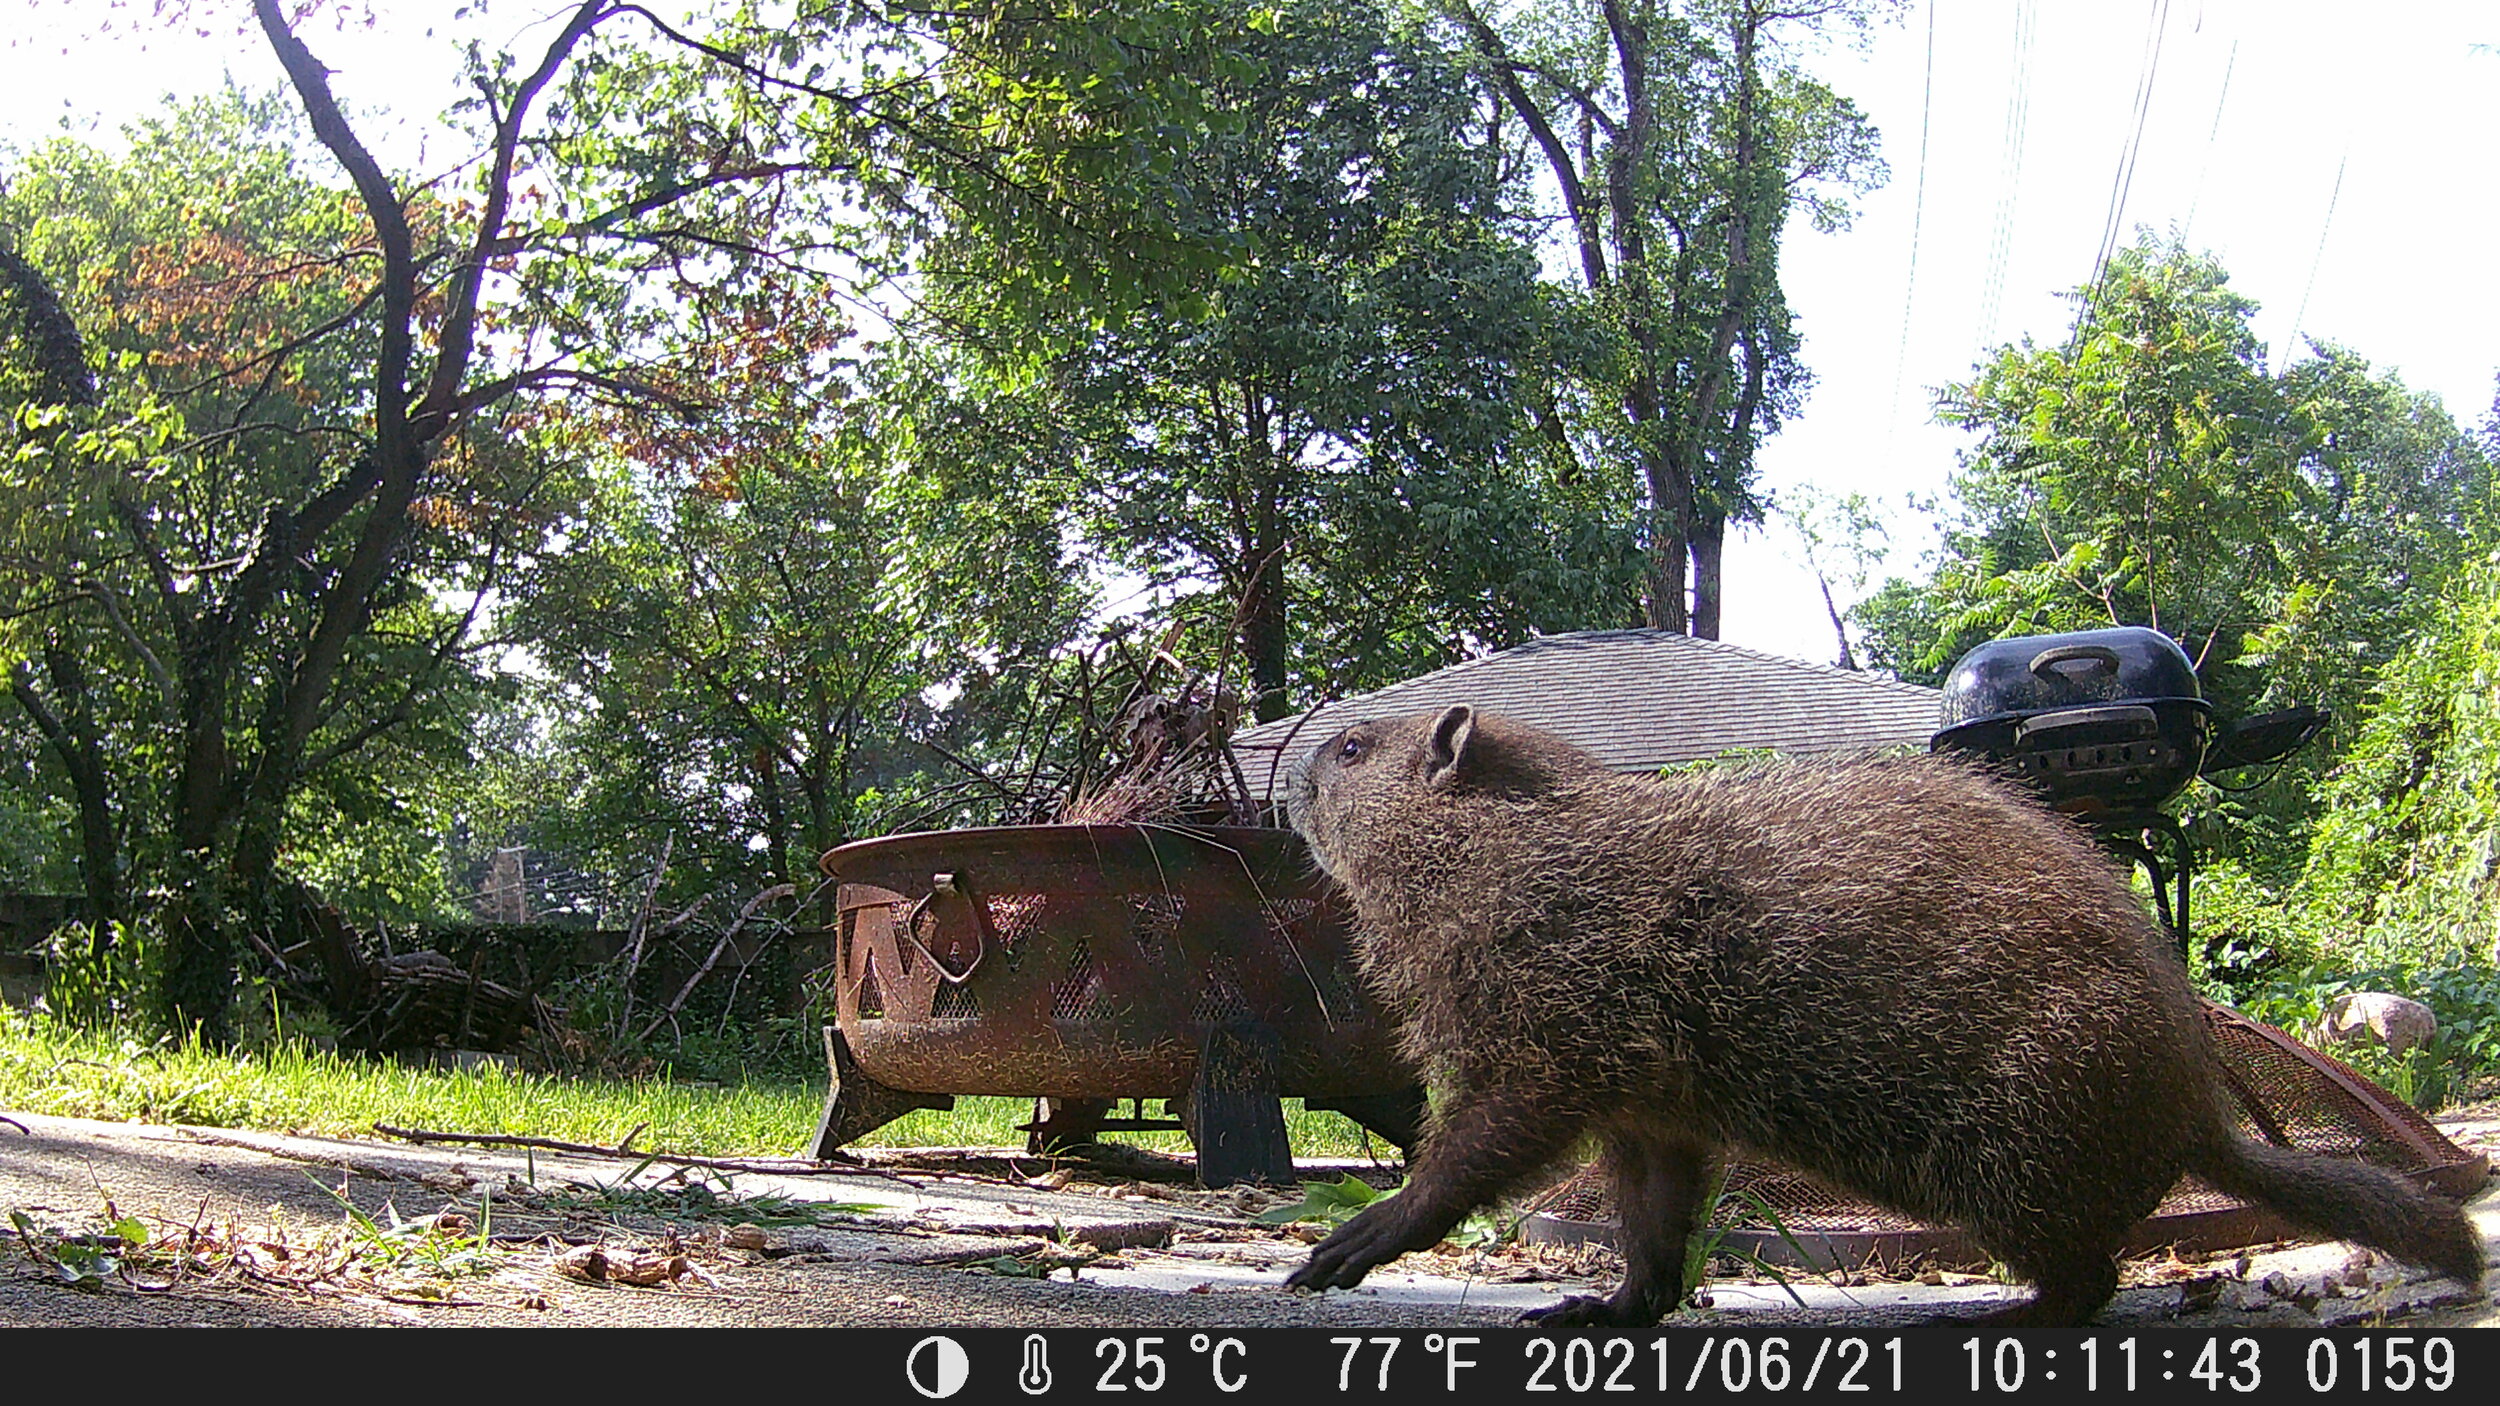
x: 1080, y: 964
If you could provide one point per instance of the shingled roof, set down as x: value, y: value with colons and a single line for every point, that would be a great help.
x: 1639, y: 699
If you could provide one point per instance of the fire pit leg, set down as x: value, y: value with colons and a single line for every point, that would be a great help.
x: 1236, y: 1119
x: 1398, y: 1117
x: 857, y: 1105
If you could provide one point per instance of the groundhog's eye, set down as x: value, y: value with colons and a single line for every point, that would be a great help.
x: 1349, y: 749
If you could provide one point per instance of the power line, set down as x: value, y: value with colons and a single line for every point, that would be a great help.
x: 1918, y: 216
x: 2206, y: 164
x: 2122, y: 181
x: 2292, y: 338
x: 2010, y: 163
x: 2122, y: 184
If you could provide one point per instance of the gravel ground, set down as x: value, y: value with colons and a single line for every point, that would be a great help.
x: 941, y: 1238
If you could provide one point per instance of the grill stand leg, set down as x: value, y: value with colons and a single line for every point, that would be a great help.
x: 1235, y: 1118
x: 857, y: 1105
x: 2124, y: 833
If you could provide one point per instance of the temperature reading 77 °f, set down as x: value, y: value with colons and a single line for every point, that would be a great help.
x: 1139, y: 1364
x: 1378, y: 1353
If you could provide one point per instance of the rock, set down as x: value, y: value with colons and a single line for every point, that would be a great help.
x: 2377, y: 1018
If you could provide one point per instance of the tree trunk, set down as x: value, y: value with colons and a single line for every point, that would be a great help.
x: 1663, y: 602
x: 776, y: 815
x: 71, y: 731
x: 1263, y: 637
x: 199, y: 970
x: 1709, y: 546
x: 1848, y: 658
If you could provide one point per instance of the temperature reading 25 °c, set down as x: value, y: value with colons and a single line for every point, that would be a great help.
x: 1150, y: 1371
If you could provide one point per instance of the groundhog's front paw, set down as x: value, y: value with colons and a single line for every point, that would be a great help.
x: 1330, y: 1266
x: 1341, y: 1260
x: 1580, y: 1311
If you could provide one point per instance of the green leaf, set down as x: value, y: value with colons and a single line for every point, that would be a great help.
x: 1332, y: 1202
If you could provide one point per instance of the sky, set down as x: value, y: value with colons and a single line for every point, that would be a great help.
x: 2336, y: 158
x: 2339, y: 166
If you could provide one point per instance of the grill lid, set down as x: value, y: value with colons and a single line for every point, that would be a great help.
x: 2020, y: 677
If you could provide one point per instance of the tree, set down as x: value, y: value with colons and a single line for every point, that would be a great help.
x: 745, y: 639
x: 2149, y: 470
x: 1679, y: 138
x: 2292, y: 531
x: 1320, y: 443
x: 1838, y: 535
x: 337, y: 404
x: 127, y: 526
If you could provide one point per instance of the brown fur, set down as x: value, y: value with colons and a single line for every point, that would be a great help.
x: 1893, y: 973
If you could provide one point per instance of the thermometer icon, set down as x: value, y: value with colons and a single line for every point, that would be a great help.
x: 1034, y: 1375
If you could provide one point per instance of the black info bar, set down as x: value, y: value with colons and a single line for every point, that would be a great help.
x: 1926, y: 1363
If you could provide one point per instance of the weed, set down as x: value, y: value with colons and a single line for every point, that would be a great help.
x: 98, y: 980
x: 694, y: 1194
x: 444, y: 1246
x: 1335, y: 1203
x: 394, y: 1259
x: 1731, y: 1210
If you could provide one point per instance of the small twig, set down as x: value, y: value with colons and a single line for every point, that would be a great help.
x: 642, y: 929
x: 12, y: 1122
x: 791, y: 1166
x: 625, y: 1145
x: 262, y: 946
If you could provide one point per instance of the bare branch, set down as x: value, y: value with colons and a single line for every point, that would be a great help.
x: 458, y: 334
x: 168, y: 701
x: 1584, y: 222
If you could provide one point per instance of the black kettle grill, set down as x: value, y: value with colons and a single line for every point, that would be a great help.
x: 2109, y: 726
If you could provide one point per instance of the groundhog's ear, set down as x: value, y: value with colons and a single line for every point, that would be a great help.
x: 1445, y: 756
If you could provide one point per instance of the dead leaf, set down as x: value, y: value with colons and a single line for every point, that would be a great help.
x: 596, y: 1264
x: 2198, y: 1295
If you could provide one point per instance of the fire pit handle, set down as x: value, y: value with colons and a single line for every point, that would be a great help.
x: 2104, y: 658
x: 960, y: 923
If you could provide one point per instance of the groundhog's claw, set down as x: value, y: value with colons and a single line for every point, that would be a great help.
x: 1579, y: 1311
x: 1341, y: 1260
x: 1334, y: 1265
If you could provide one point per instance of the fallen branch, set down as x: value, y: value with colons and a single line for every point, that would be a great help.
x: 678, y: 1003
x: 787, y: 1166
x: 12, y: 1122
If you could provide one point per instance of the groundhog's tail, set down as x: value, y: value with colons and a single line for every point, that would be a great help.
x: 2351, y: 1201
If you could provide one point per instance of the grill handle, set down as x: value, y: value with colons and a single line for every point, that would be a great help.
x: 2126, y: 720
x: 2104, y: 659
x: 2267, y: 737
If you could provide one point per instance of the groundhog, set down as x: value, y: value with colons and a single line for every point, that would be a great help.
x: 1895, y: 973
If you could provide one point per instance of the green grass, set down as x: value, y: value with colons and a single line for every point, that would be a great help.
x: 47, y: 1066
